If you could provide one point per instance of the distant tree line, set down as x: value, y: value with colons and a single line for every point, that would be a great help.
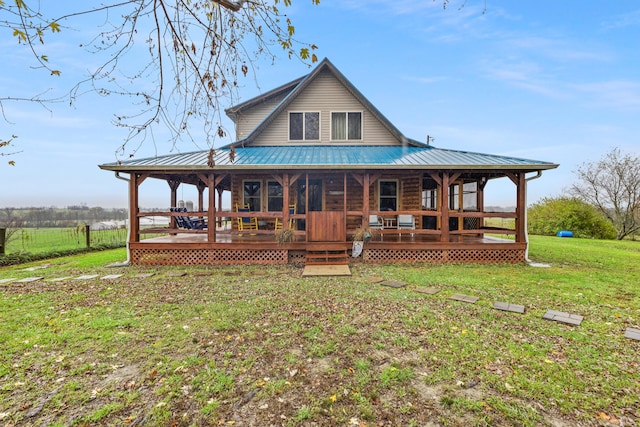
x: 52, y: 217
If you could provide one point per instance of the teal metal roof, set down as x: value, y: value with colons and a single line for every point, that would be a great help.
x: 331, y: 157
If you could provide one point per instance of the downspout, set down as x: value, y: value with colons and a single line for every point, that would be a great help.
x: 526, y: 231
x: 127, y: 263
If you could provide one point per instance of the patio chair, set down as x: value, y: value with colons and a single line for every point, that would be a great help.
x: 188, y: 223
x: 245, y: 222
x: 406, y: 222
x: 375, y: 222
x: 292, y: 211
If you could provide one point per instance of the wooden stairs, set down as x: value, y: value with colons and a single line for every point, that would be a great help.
x: 327, y: 254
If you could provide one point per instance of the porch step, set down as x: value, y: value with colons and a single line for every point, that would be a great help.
x: 327, y: 257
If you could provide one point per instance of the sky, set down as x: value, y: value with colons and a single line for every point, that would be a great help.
x: 537, y: 79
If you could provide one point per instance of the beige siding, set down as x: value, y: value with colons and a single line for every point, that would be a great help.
x: 251, y: 118
x: 326, y: 94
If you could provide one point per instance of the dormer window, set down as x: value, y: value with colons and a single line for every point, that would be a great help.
x: 304, y: 126
x: 346, y: 126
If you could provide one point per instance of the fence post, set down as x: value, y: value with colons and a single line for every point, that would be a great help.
x: 3, y: 235
x: 87, y: 234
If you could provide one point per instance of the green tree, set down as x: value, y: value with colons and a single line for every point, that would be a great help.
x: 612, y: 185
x: 550, y: 215
x: 178, y: 61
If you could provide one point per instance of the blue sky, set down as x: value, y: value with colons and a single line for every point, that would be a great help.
x: 545, y: 80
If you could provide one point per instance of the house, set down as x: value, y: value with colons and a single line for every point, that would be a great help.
x: 316, y: 158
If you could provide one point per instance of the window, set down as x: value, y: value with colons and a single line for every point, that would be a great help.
x: 275, y: 196
x: 388, y: 196
x: 346, y: 126
x: 251, y: 193
x: 304, y: 126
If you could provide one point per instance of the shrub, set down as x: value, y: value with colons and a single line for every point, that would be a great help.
x: 550, y: 215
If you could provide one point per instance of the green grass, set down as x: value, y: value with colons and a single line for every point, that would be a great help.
x: 262, y: 345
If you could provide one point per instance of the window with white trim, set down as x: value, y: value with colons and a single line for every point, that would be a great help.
x: 275, y: 196
x: 304, y: 126
x: 252, y: 195
x: 388, y: 195
x: 346, y: 126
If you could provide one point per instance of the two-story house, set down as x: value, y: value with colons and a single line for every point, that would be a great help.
x: 316, y: 159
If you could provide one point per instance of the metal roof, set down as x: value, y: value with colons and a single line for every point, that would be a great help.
x: 331, y: 157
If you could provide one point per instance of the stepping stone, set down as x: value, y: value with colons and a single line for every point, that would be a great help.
x: 428, y: 291
x: 111, y: 276
x: 632, y: 334
x: 374, y: 279
x: 393, y: 284
x: 29, y: 279
x: 464, y: 298
x: 87, y: 277
x: 176, y: 274
x: 505, y: 306
x: 59, y: 279
x: 7, y: 280
x: 143, y: 275
x: 562, y: 317
x: 38, y: 267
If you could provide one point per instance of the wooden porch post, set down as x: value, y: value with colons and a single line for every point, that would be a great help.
x: 211, y: 210
x: 444, y: 208
x: 220, y: 191
x: 344, y: 201
x: 285, y: 199
x: 521, y: 207
x: 173, y: 202
x: 134, y: 221
x: 366, y: 183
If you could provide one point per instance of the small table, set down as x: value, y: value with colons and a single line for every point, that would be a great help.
x: 389, y: 222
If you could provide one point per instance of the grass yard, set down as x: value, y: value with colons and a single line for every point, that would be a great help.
x: 258, y: 346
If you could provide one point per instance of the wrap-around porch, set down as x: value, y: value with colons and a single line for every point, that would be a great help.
x: 324, y: 211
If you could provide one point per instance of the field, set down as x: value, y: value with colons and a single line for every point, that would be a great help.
x: 259, y: 346
x: 41, y: 240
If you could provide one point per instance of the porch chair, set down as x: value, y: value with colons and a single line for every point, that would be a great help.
x: 406, y: 222
x: 184, y: 221
x: 245, y: 222
x: 292, y: 211
x: 375, y: 222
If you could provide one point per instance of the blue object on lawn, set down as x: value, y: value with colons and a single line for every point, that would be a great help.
x: 565, y: 233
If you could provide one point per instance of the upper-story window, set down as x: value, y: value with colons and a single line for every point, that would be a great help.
x: 304, y: 126
x: 346, y: 126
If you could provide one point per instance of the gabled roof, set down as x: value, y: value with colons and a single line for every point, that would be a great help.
x: 296, y: 87
x: 333, y: 158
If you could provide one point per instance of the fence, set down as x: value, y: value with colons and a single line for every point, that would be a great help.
x: 42, y: 240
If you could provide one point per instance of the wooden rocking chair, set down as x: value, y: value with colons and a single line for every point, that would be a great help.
x: 245, y: 222
x: 292, y: 211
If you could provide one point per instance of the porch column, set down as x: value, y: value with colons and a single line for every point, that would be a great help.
x: 134, y: 221
x: 366, y: 183
x: 444, y: 208
x: 521, y: 207
x: 285, y: 199
x: 211, y: 210
x: 173, y: 200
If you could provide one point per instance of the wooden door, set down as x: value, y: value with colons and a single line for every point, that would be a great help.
x: 326, y: 227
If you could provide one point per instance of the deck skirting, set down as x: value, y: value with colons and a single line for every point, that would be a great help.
x: 220, y: 256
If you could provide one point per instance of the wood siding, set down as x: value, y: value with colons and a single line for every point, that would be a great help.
x: 326, y: 94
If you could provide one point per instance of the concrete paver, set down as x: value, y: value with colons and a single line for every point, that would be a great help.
x: 426, y: 290
x: 29, y: 279
x: 632, y: 334
x: 87, y: 277
x: 505, y: 306
x: 464, y: 298
x: 562, y: 317
x: 393, y: 284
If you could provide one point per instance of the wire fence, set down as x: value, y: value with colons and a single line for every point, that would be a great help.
x: 44, y: 240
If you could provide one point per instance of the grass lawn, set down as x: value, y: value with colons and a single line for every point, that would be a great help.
x: 257, y: 346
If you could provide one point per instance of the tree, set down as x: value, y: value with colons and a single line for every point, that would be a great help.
x: 612, y: 185
x: 550, y: 215
x: 196, y: 51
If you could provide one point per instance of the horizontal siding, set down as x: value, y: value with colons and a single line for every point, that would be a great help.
x: 251, y: 118
x: 326, y: 94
